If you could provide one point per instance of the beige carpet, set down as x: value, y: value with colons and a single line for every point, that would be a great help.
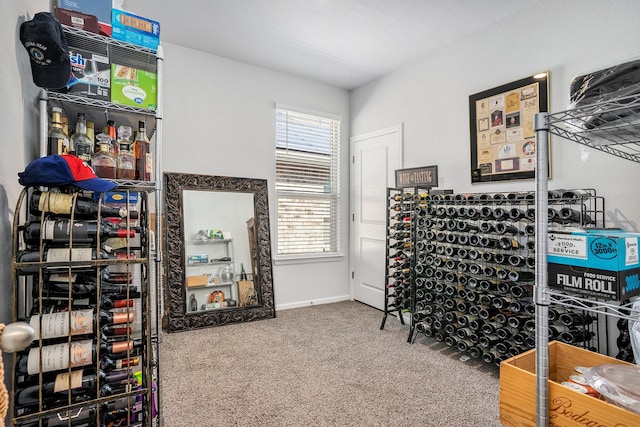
x: 326, y: 365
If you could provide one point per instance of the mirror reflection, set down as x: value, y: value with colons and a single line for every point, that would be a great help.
x: 218, y: 230
x: 218, y: 251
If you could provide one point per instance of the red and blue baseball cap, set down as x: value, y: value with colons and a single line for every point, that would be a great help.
x: 67, y: 169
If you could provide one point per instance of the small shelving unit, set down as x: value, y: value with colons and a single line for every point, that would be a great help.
x: 219, y: 254
x: 611, y: 126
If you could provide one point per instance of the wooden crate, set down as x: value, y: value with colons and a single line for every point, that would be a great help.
x: 567, y: 407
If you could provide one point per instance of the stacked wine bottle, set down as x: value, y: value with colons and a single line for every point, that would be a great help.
x: 400, y: 251
x: 475, y: 268
x: 79, y: 268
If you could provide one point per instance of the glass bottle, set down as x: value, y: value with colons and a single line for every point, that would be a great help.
x: 142, y: 153
x: 104, y: 163
x: 111, y: 128
x: 91, y: 135
x: 57, y: 140
x: 80, y: 143
x: 126, y: 162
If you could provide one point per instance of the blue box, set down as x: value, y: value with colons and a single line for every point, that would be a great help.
x: 602, y: 263
x: 101, y: 9
x: 135, y: 29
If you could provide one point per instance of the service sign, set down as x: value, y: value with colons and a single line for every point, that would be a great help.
x: 425, y: 176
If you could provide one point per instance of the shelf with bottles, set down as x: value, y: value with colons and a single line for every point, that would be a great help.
x: 82, y: 307
x: 474, y: 271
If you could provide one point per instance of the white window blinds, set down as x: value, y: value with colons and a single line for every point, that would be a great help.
x: 307, y: 183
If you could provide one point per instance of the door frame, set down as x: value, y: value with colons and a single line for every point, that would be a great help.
x: 399, y: 129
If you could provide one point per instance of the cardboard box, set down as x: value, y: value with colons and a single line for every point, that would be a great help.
x: 73, y: 18
x: 602, y: 263
x: 101, y: 9
x: 133, y: 87
x: 567, y: 407
x: 81, y: 62
x: 200, y: 280
x: 134, y: 29
x: 245, y: 292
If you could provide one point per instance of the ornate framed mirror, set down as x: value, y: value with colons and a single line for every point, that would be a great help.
x: 217, y: 251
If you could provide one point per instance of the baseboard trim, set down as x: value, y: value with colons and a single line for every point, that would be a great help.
x: 312, y: 302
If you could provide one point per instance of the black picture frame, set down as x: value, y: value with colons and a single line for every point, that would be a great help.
x: 501, y: 126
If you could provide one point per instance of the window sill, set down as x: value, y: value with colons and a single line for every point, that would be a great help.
x: 306, y: 258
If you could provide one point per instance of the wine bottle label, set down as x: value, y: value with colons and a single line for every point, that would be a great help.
x: 58, y: 356
x: 62, y: 324
x: 61, y: 230
x: 56, y: 203
x: 123, y: 363
x: 62, y: 254
x: 66, y: 379
x: 62, y: 278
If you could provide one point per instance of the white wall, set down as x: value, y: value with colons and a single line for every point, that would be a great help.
x: 18, y: 121
x: 430, y: 97
x: 219, y: 119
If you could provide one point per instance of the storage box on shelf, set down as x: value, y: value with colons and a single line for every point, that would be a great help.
x: 474, y: 272
x: 567, y: 407
x: 210, y: 279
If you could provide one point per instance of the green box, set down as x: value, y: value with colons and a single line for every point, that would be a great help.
x: 134, y: 87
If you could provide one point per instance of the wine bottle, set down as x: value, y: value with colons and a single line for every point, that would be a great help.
x: 572, y: 318
x: 142, y: 153
x: 83, y: 208
x: 508, y: 244
x: 81, y: 384
x: 63, y: 230
x: 473, y: 213
x: 521, y: 276
x: 57, y: 357
x: 75, y: 322
x: 65, y: 255
x: 57, y: 140
x: 487, y: 227
x: 502, y: 228
x: 109, y: 363
x: 516, y: 214
x: 575, y: 336
x: 500, y: 214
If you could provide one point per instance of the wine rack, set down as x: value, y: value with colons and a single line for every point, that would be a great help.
x: 83, y: 309
x: 399, y: 252
x: 474, y: 271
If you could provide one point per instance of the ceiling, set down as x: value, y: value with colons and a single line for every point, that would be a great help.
x: 344, y: 43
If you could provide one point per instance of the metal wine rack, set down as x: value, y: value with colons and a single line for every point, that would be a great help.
x: 399, y: 252
x: 473, y: 270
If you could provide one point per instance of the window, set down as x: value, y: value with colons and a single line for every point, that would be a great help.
x: 307, y: 183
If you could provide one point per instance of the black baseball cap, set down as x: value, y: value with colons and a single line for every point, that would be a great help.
x: 47, y: 46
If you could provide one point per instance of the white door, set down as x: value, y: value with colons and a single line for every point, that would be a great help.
x: 375, y: 157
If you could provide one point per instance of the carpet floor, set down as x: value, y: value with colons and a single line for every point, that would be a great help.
x: 324, y: 365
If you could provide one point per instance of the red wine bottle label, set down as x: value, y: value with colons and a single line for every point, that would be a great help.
x: 65, y: 379
x: 62, y: 324
x: 58, y: 356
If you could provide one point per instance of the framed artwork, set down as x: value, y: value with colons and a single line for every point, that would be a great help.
x: 501, y: 122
